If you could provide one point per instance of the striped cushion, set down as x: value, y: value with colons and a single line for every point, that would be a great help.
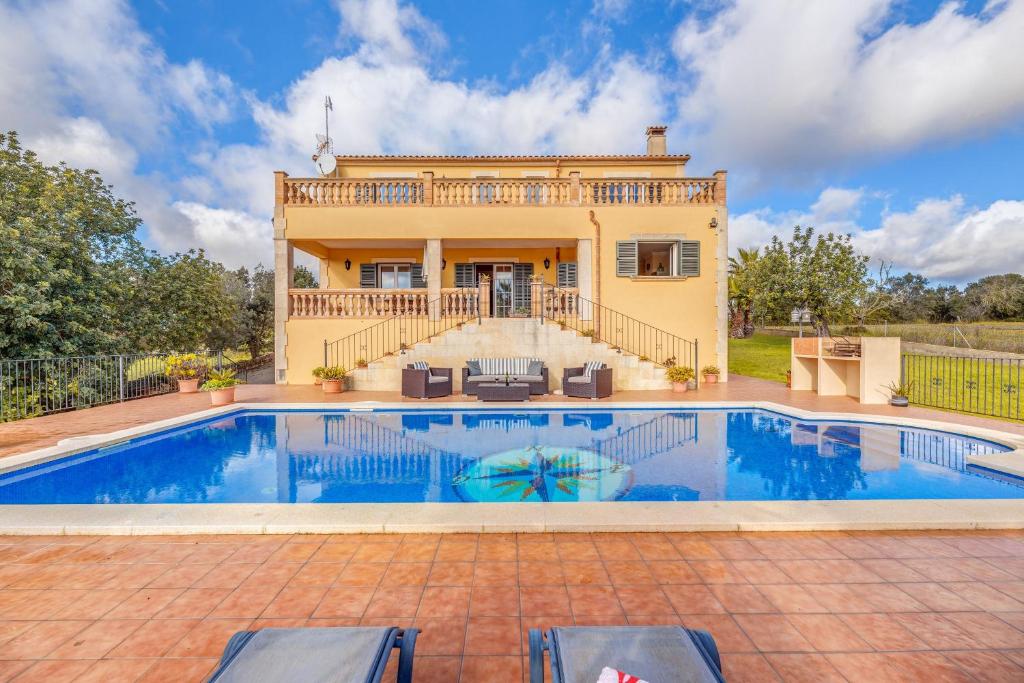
x: 505, y: 366
x: 420, y: 365
x: 590, y: 366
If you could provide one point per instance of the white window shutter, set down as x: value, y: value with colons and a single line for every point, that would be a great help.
x: 689, y: 258
x: 625, y: 258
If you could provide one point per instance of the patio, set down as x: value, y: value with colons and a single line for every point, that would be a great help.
x: 796, y: 607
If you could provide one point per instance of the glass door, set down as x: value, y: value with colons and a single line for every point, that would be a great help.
x: 502, y: 292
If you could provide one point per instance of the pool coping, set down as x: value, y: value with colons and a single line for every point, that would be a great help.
x: 288, y: 518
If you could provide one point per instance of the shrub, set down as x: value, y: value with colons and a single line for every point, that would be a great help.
x: 319, y: 372
x: 589, y: 332
x: 186, y: 366
x: 710, y: 370
x: 901, y: 388
x: 679, y: 374
x: 333, y: 373
x: 361, y: 363
x: 223, y: 379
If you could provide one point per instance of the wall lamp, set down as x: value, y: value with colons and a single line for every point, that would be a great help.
x: 714, y: 222
x: 348, y: 264
x: 444, y: 263
x: 547, y: 263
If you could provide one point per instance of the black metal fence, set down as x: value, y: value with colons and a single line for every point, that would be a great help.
x: 985, y: 386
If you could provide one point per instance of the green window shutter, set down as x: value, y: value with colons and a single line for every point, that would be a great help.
x: 416, y: 276
x: 367, y: 275
x: 465, y: 275
x: 566, y: 275
x: 689, y: 258
x: 625, y: 258
x: 521, y: 274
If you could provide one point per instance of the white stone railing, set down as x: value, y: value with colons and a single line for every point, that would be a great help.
x: 430, y: 191
x: 377, y: 303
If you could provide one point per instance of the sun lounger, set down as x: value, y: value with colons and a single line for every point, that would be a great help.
x: 651, y: 653
x: 348, y: 654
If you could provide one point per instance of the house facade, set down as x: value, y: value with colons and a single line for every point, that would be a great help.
x: 625, y: 251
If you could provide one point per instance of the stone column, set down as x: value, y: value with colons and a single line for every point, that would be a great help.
x: 433, y: 264
x: 722, y: 293
x: 284, y: 269
x: 585, y: 276
x: 324, y: 278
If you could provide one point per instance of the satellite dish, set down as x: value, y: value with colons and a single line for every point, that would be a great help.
x: 326, y: 163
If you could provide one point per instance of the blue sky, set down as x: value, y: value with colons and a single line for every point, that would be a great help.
x: 899, y: 122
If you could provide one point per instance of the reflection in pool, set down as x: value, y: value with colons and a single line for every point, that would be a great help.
x: 516, y: 456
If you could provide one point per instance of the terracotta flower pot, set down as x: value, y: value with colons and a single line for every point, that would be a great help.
x: 317, y: 381
x: 679, y: 387
x: 710, y: 379
x: 222, y: 397
x: 188, y: 386
x: 333, y: 386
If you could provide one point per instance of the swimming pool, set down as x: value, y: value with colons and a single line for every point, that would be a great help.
x: 540, y: 455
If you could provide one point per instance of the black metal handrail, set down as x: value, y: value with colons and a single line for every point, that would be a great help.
x: 622, y: 332
x: 398, y: 333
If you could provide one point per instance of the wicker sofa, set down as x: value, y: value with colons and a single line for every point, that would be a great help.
x: 426, y: 383
x: 530, y: 371
x: 576, y: 383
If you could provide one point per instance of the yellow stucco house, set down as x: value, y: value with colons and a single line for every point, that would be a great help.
x: 620, y: 258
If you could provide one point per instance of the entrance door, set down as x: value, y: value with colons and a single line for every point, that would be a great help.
x: 503, y: 288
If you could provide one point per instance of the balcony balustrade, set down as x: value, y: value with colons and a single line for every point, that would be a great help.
x: 377, y: 303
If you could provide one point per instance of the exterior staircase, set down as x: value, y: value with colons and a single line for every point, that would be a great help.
x: 558, y: 347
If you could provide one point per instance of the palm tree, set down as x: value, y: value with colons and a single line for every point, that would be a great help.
x: 741, y: 292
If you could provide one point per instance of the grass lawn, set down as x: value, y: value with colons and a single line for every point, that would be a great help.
x: 765, y: 356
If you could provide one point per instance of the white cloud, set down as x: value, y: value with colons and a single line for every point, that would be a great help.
x: 792, y: 87
x: 237, y: 237
x: 943, y: 239
x: 387, y: 30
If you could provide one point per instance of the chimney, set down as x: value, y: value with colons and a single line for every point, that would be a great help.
x: 656, y: 145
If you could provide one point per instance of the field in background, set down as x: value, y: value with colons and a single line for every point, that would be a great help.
x: 765, y: 356
x: 1007, y: 337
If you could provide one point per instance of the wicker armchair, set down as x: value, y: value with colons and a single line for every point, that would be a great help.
x: 575, y: 383
x: 430, y: 383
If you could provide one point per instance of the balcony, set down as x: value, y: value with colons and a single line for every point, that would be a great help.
x: 499, y: 192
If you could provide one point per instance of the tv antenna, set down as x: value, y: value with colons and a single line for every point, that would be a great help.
x: 324, y: 156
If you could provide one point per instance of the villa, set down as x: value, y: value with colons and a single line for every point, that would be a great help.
x: 629, y: 250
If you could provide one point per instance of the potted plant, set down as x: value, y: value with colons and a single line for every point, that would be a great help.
x: 221, y: 386
x: 900, y: 393
x: 589, y: 332
x: 188, y: 369
x: 318, y: 375
x: 333, y: 379
x: 711, y: 373
x: 361, y: 363
x: 680, y: 376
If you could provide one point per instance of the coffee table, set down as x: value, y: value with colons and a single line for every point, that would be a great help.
x: 499, y: 391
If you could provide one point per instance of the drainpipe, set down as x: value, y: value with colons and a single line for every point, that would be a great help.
x: 597, y: 272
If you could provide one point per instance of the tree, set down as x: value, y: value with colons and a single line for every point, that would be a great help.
x: 878, y: 297
x: 257, y: 309
x: 996, y: 297
x: 302, y: 278
x: 68, y: 258
x: 741, y: 292
x: 824, y: 275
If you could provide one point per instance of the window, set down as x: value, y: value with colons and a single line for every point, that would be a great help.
x: 394, y: 275
x: 655, y: 259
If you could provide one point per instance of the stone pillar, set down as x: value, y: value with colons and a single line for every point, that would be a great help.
x: 433, y: 265
x: 284, y: 269
x: 722, y: 291
x: 485, y: 296
x: 720, y: 188
x: 324, y: 278
x: 585, y: 276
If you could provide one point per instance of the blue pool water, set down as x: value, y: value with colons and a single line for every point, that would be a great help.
x: 524, y: 455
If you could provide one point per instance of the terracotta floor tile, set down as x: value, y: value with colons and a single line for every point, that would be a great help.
x: 585, y: 574
x: 538, y: 552
x: 736, y: 549
x: 594, y: 601
x: 863, y: 667
x: 447, y: 601
x: 643, y: 601
x: 628, y: 572
x: 108, y: 670
x: 154, y: 638
x: 889, y: 597
x: 440, y: 636
x: 544, y: 601
x: 748, y: 668
x: 839, y: 597
x: 536, y: 573
x: 395, y: 601
x: 495, y: 573
x: 773, y: 633
x: 997, y: 634
x: 436, y: 669
x: 984, y: 597
x: 694, y: 549
x: 451, y: 574
x: 144, y: 603
x: 987, y: 666
x: 936, y: 597
x: 245, y: 602
x: 456, y: 551
x: 177, y: 670
x: 924, y: 666
x: 653, y: 551
x: 717, y: 571
x: 317, y: 574
x: 96, y: 640
x: 493, y: 551
x: 729, y: 637
x: 578, y: 551
x: 892, y: 570
x: 407, y: 574
x: 226, y: 576
x: 41, y: 639
x: 418, y: 551
x: 791, y: 597
x: 491, y: 669
x: 883, y: 632
x: 804, y: 668
x: 375, y: 552
x: 94, y: 604
x: 362, y: 574
x: 828, y: 571
x: 300, y: 601
x: 760, y: 571
x: 494, y: 601
x: 693, y: 599
x: 827, y: 633
x: 194, y: 603
x: 740, y: 598
x: 55, y: 671
x: 344, y: 601
x: 181, y: 576
x: 494, y: 636
x: 208, y: 638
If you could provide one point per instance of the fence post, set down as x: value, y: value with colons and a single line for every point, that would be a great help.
x: 696, y: 364
x: 220, y: 361
x: 120, y: 377
x: 325, y: 353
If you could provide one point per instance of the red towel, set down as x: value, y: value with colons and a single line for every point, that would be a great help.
x: 610, y: 675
